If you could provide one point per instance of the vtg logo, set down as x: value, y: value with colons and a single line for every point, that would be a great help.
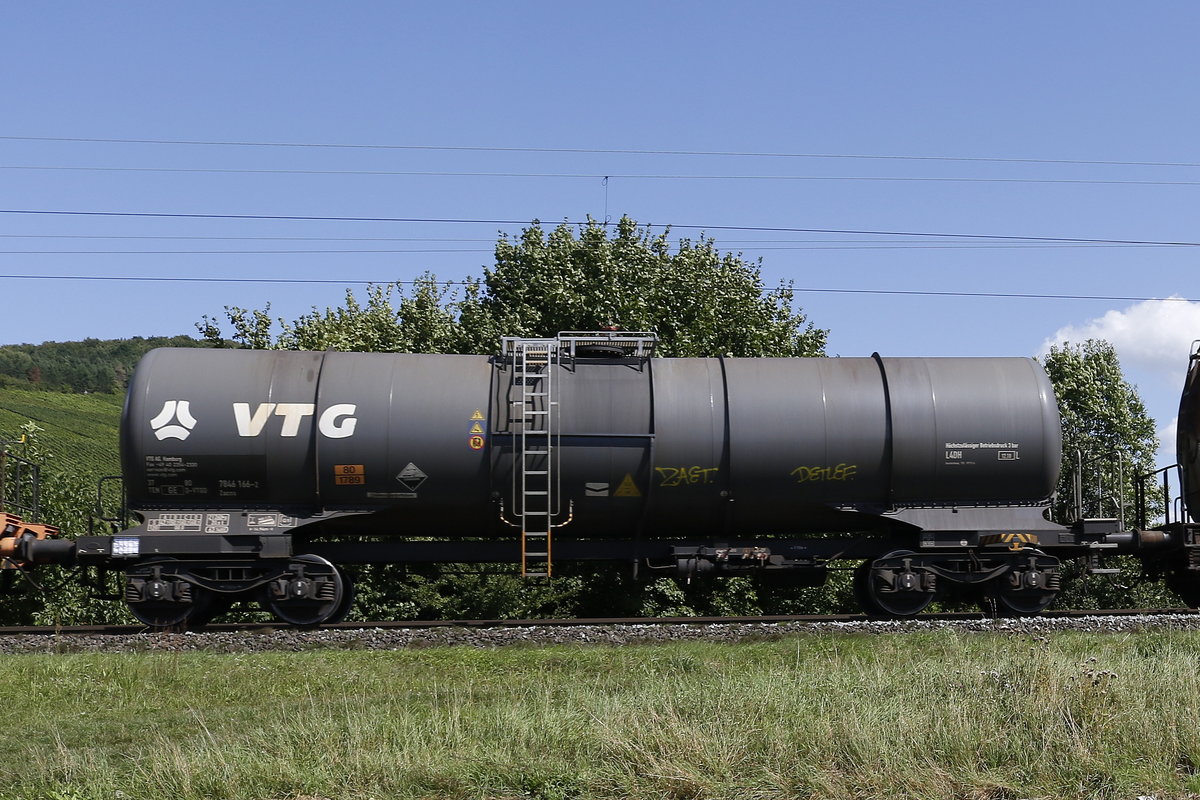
x: 336, y: 422
x: 177, y: 411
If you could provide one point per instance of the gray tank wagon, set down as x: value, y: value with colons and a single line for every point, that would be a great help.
x: 260, y: 474
x: 1187, y: 443
x: 695, y: 446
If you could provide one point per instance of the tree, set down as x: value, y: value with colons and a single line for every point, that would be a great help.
x: 1105, y: 426
x: 92, y: 365
x: 393, y: 319
x: 700, y: 301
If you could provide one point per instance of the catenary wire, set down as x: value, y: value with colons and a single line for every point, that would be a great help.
x: 598, y: 151
x: 728, y: 244
x: 786, y: 287
x: 232, y: 252
x: 610, y: 176
x: 242, y: 238
x: 739, y: 244
x: 378, y: 251
x: 385, y: 238
x: 461, y: 221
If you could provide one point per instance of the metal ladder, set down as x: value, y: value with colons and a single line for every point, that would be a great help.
x: 535, y: 478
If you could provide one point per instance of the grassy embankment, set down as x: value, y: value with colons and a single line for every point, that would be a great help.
x: 937, y: 715
x: 80, y: 430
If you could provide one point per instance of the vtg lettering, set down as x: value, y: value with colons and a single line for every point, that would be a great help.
x: 336, y: 422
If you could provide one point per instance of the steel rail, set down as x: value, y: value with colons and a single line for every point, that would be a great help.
x: 269, y: 627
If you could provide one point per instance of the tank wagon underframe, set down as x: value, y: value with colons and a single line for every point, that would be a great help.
x: 260, y: 475
x: 1006, y: 570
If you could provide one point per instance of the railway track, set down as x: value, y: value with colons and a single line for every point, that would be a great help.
x: 267, y: 627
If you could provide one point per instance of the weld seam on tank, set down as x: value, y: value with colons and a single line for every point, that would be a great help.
x: 889, y: 436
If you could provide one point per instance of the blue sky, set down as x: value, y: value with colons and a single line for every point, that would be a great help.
x: 976, y: 118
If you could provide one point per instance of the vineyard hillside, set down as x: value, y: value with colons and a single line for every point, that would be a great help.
x: 79, y: 430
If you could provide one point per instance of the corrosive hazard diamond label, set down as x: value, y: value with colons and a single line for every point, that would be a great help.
x: 411, y: 476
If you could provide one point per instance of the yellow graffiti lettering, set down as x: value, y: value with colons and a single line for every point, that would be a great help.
x: 670, y: 477
x: 821, y: 474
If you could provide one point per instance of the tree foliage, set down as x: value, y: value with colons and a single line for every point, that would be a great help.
x: 1105, y: 426
x: 423, y: 318
x: 700, y: 301
x: 93, y: 365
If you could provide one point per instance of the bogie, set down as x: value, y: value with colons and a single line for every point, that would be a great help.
x: 162, y: 596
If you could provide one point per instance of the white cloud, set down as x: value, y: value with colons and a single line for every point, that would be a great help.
x: 1154, y: 335
x: 1166, y: 442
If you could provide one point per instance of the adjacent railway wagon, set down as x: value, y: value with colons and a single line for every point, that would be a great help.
x: 259, y: 475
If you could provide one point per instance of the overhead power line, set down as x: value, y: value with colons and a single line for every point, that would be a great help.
x: 166, y: 279
x: 796, y: 289
x: 595, y: 150
x: 731, y: 244
x: 597, y: 176
x: 242, y: 238
x: 379, y: 251
x: 230, y: 252
x: 703, y: 228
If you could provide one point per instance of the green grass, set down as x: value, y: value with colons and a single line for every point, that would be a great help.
x: 937, y: 715
x: 81, y: 430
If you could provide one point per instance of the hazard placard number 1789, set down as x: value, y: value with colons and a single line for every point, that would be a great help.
x: 349, y: 474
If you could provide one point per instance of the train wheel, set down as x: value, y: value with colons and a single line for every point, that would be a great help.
x: 311, y: 592
x: 159, y: 596
x: 889, y: 586
x: 348, y: 595
x: 1027, y: 589
x: 1005, y: 602
x: 1186, y: 584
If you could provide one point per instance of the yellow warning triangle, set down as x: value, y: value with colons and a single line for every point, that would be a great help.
x: 627, y: 488
x: 478, y: 414
x: 476, y: 428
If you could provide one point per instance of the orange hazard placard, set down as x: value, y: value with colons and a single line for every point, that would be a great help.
x: 349, y: 474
